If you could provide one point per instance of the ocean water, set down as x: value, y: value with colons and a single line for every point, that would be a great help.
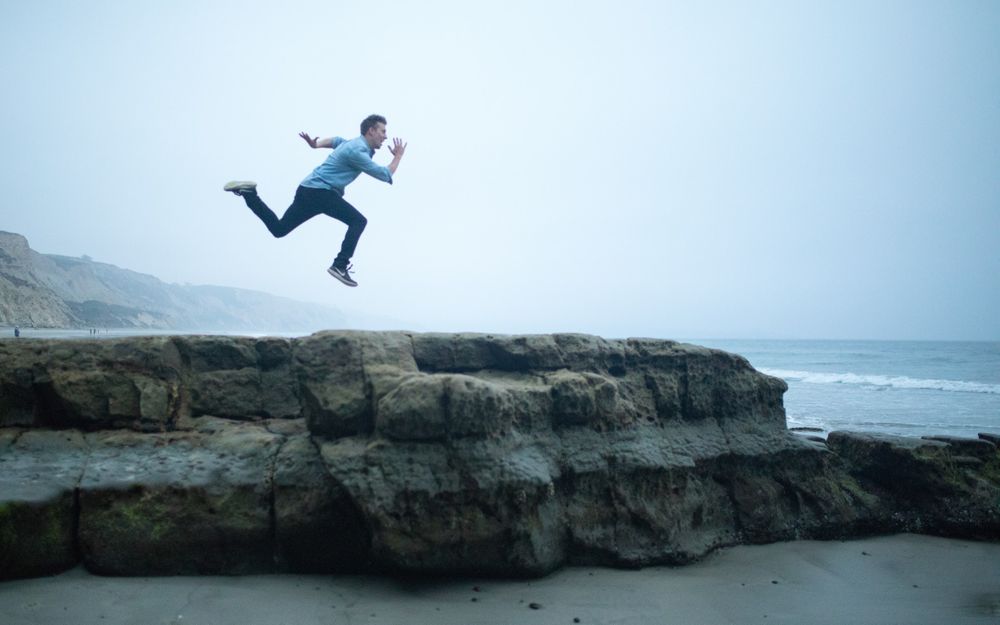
x: 911, y: 388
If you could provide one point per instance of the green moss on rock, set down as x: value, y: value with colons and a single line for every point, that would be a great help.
x: 35, y: 539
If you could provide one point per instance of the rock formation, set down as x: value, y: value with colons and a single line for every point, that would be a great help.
x: 23, y: 298
x: 435, y: 453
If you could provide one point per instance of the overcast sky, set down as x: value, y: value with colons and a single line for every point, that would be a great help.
x: 669, y: 169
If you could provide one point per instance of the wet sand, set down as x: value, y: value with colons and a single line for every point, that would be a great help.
x: 897, y: 579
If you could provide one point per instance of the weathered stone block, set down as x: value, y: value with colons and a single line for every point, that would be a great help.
x: 39, y: 471
x: 179, y: 503
x: 415, y: 410
x: 334, y: 391
x: 470, y: 506
x: 435, y: 407
x: 471, y: 352
x: 586, y: 398
x: 318, y: 528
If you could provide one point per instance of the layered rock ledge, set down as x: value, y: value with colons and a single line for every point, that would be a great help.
x: 436, y: 453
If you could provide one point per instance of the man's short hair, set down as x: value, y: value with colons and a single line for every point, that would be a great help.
x: 370, y: 121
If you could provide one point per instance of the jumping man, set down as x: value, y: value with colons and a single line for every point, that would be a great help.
x: 323, y: 190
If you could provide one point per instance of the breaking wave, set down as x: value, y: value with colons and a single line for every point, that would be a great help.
x: 884, y: 381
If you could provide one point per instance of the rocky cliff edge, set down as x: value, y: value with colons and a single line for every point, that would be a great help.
x: 436, y: 453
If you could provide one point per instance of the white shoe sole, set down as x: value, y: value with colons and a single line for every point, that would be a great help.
x: 342, y: 279
x: 236, y: 186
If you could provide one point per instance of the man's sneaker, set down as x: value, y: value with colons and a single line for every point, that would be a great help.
x: 341, y: 273
x: 240, y: 187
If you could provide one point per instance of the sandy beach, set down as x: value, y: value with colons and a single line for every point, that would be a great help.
x: 896, y: 579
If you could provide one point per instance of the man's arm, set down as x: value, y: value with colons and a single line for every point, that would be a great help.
x: 360, y: 159
x: 316, y: 142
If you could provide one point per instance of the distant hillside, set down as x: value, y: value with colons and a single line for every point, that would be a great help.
x: 47, y: 290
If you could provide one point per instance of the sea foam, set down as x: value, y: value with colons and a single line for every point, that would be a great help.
x: 883, y: 381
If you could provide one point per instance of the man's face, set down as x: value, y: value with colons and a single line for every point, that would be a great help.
x: 376, y: 135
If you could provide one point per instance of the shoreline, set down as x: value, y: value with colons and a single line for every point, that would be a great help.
x: 903, y: 578
x: 7, y: 333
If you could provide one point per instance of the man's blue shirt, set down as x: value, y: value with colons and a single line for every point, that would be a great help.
x: 345, y: 164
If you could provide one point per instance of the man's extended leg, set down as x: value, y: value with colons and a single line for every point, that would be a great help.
x: 303, y: 208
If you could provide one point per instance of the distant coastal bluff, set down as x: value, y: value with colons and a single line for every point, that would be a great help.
x: 436, y: 453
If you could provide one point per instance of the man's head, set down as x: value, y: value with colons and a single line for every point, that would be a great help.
x: 373, y: 130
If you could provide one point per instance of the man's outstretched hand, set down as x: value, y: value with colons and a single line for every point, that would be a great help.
x: 310, y: 140
x: 397, y: 148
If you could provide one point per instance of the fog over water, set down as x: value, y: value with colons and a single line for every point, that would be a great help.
x: 669, y: 169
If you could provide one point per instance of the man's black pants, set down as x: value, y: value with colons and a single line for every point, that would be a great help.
x: 307, y: 204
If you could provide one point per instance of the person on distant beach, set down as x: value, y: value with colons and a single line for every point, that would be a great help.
x: 323, y: 190
x: 17, y: 332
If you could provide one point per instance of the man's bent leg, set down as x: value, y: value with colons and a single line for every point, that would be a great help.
x: 338, y: 208
x: 356, y: 223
